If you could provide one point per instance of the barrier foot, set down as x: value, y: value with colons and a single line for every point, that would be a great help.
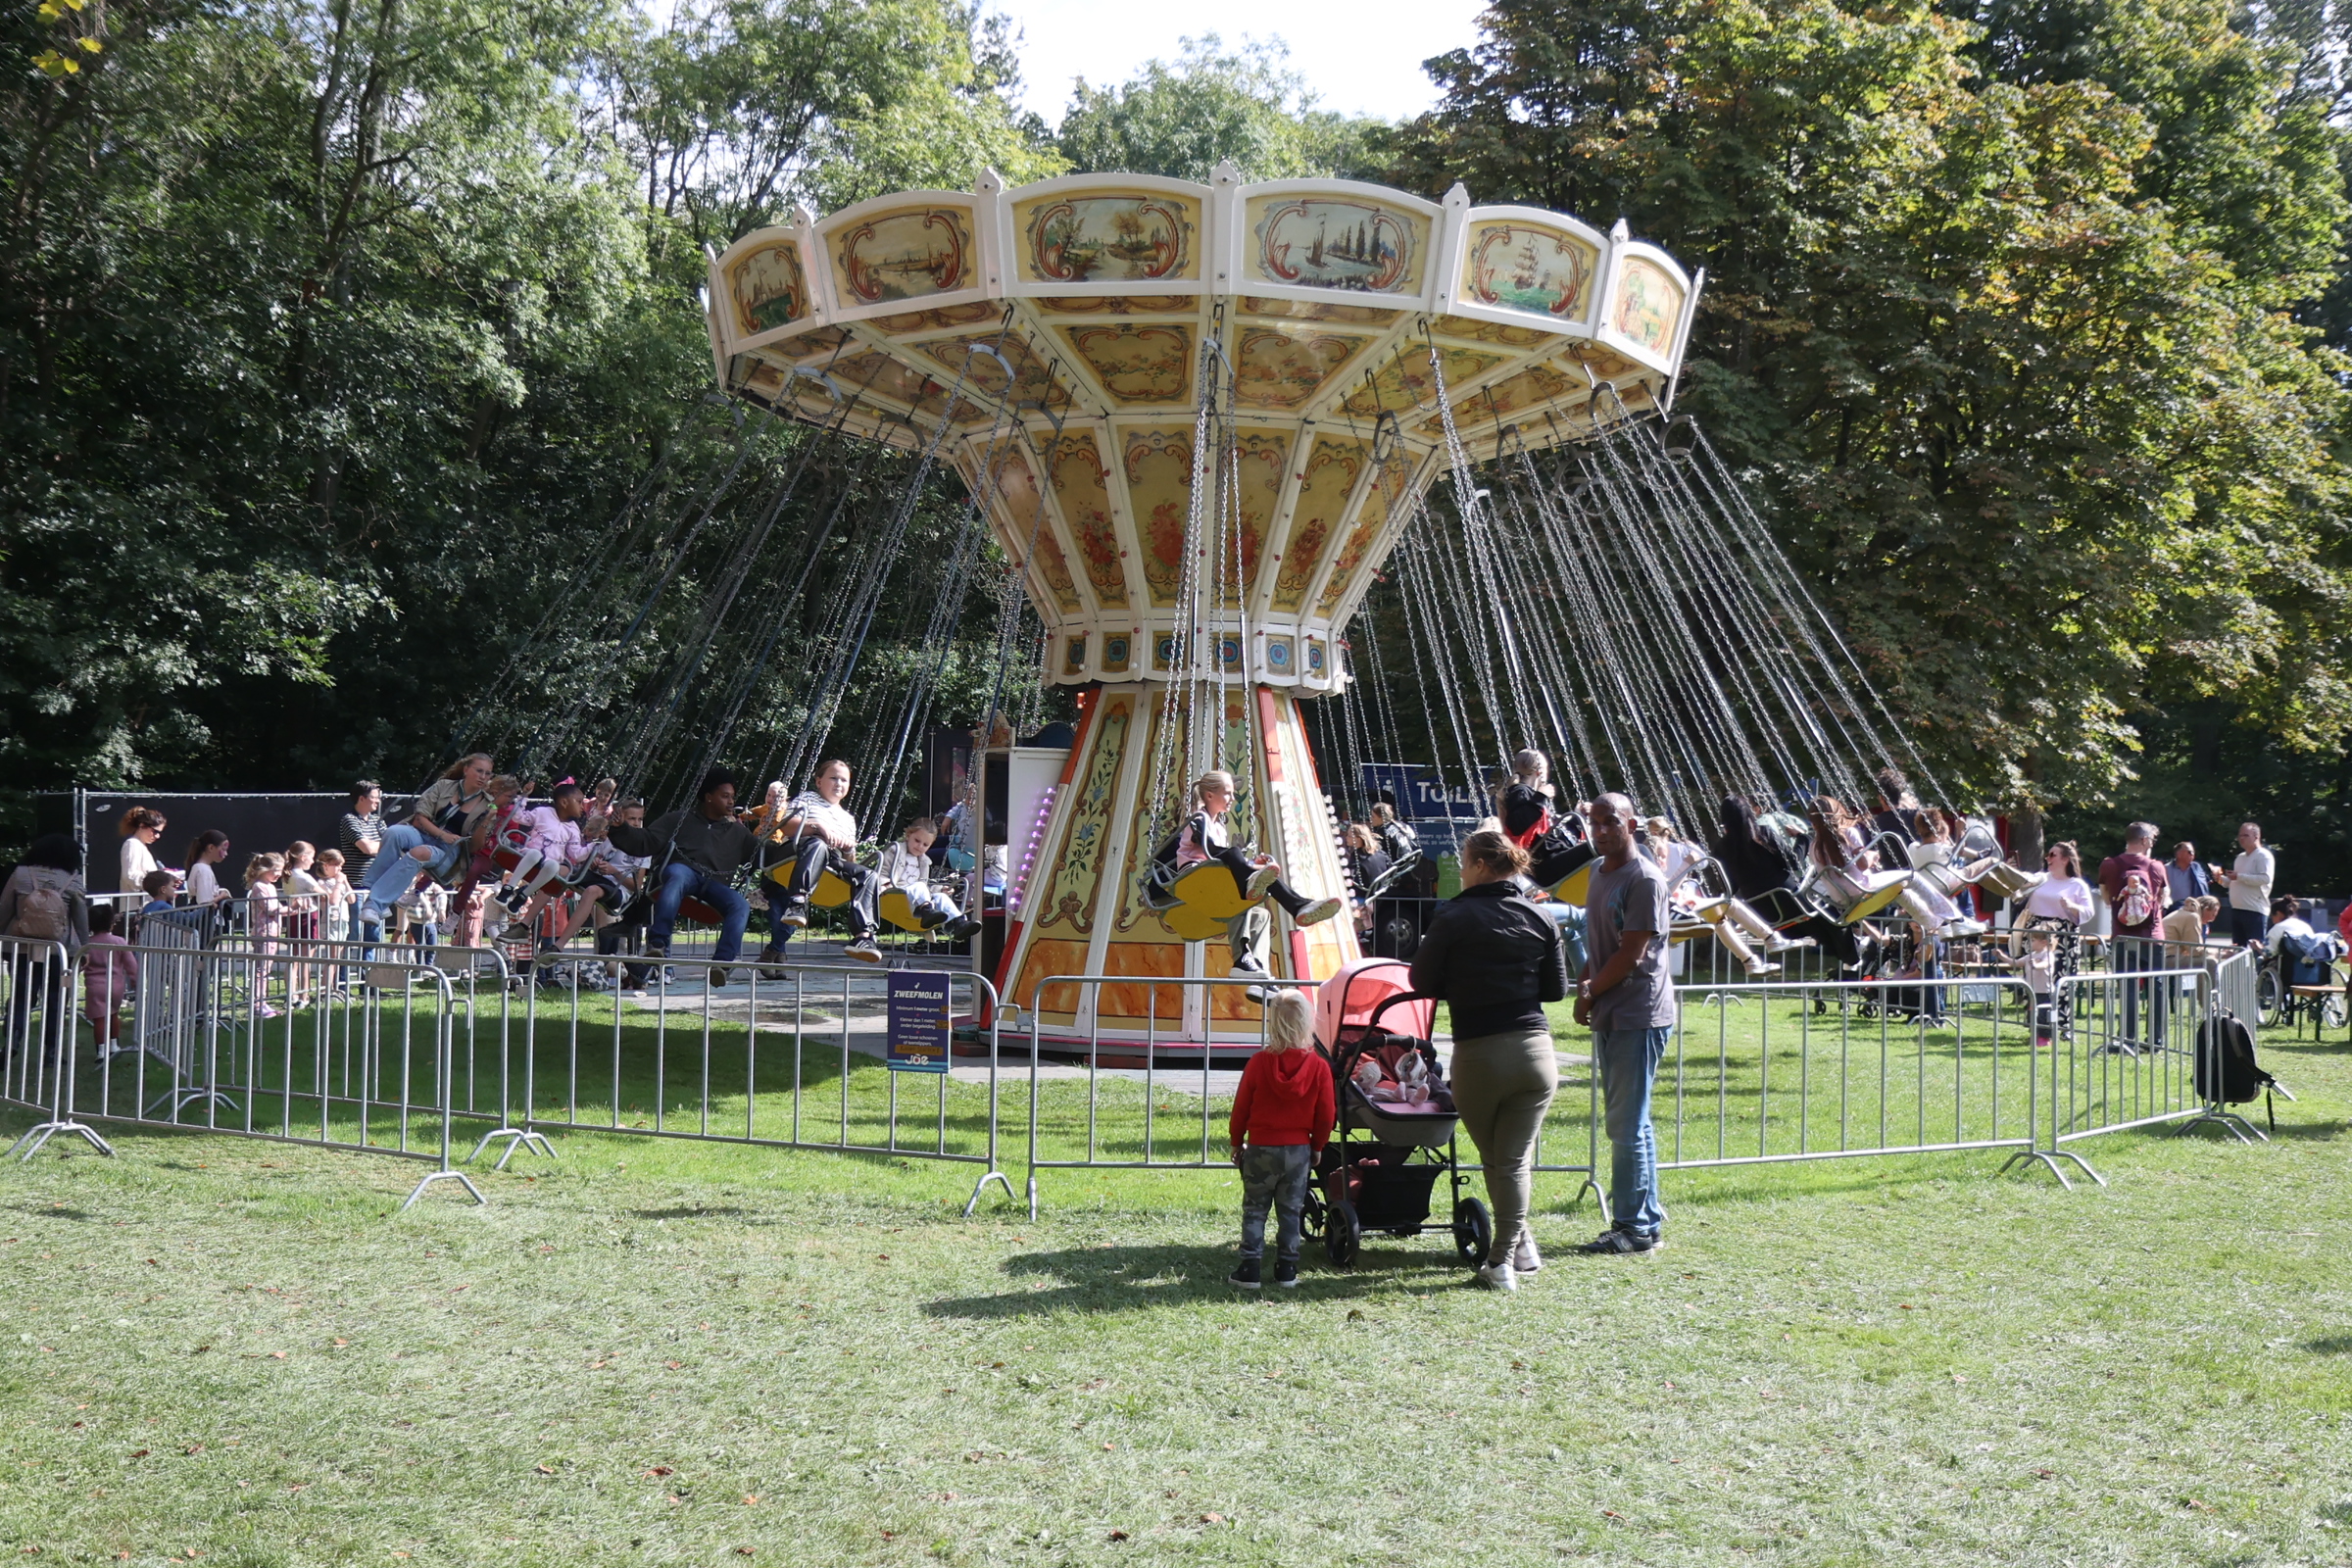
x: 179, y: 1099
x: 35, y: 1137
x: 981, y: 1186
x: 458, y: 1176
x: 2029, y: 1156
x: 2229, y: 1121
x: 1600, y: 1200
x: 523, y: 1138
x: 2087, y: 1169
x: 1032, y: 1197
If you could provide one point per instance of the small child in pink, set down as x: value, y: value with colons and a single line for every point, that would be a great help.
x: 109, y: 975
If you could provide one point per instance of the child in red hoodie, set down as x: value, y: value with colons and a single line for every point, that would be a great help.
x: 1281, y: 1117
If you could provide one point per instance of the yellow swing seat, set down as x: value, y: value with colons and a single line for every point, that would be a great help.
x: 1189, y: 924
x: 895, y: 906
x: 831, y: 892
x: 1700, y: 921
x: 1572, y: 888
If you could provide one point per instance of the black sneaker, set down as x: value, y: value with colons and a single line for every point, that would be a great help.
x: 1617, y: 1242
x: 1244, y: 1274
x: 1286, y: 1274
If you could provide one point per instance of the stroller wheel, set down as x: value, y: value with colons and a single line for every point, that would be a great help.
x: 1473, y: 1231
x: 1343, y: 1236
x: 1310, y: 1214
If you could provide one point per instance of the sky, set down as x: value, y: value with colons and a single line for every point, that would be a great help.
x: 1359, y: 56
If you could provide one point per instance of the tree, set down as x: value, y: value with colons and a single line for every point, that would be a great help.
x: 2050, y: 449
x: 1181, y: 120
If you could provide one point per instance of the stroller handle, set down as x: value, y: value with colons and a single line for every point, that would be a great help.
x: 1386, y: 1002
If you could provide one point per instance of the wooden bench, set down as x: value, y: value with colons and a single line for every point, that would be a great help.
x: 2317, y: 996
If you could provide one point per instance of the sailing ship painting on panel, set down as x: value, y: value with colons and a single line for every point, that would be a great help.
x: 906, y: 254
x: 1329, y: 242
x: 1528, y: 267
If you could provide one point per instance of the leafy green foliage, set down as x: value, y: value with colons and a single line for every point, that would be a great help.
x: 2010, y: 348
x: 1181, y: 120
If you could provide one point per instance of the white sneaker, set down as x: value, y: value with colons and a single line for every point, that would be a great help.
x: 1525, y: 1260
x: 1757, y: 968
x: 1787, y: 943
x: 1963, y: 928
x: 864, y: 949
x: 1495, y: 1277
x: 1316, y: 913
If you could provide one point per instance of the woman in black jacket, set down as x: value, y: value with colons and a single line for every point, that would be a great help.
x: 1494, y: 958
x: 1764, y: 873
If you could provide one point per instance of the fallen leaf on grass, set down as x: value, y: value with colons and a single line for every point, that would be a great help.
x: 142, y: 1453
x: 1212, y: 1518
x: 545, y: 1469
x: 277, y: 1356
x: 750, y: 1497
x: 197, y: 1448
x: 658, y: 1470
x: 1610, y: 1513
x: 1119, y: 1535
x: 743, y: 1551
x: 675, y: 1366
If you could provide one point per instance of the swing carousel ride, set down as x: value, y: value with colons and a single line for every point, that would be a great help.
x: 1198, y: 421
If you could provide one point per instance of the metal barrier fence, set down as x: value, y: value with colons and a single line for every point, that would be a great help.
x: 787, y: 1060
x: 398, y: 1050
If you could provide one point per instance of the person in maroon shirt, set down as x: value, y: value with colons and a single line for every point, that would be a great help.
x: 2137, y: 877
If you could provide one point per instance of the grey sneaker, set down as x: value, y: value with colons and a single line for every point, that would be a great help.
x: 1244, y: 1274
x: 1615, y: 1243
x: 1495, y: 1277
x: 1316, y: 913
x: 1525, y: 1260
x: 795, y: 915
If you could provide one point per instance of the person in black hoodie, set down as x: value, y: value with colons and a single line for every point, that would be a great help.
x: 1494, y: 958
x: 1764, y: 873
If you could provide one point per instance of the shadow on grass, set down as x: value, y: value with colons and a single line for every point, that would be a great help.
x: 1138, y: 1279
x: 2332, y: 1344
x: 694, y: 1211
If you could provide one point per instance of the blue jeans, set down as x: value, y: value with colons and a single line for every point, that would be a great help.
x: 1570, y: 918
x: 1273, y: 1176
x: 1628, y: 1063
x: 395, y: 871
x: 680, y: 881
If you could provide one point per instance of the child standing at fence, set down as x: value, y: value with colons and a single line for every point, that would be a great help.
x: 2039, y: 966
x: 109, y: 975
x: 303, y: 914
x: 334, y: 896
x: 1282, y: 1116
x: 266, y: 918
x: 161, y: 886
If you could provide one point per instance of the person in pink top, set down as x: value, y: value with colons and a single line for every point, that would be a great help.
x: 109, y: 975
x: 1282, y: 1116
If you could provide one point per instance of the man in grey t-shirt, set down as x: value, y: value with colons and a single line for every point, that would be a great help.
x: 1626, y: 998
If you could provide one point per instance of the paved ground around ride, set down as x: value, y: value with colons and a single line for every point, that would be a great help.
x: 235, y: 1353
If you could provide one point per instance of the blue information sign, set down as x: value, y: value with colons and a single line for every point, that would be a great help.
x: 918, y: 1022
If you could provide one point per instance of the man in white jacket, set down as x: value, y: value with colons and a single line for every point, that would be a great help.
x: 2249, y: 880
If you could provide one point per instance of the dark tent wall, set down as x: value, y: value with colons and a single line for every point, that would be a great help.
x: 253, y: 823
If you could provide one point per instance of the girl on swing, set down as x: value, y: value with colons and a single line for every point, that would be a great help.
x: 1203, y: 838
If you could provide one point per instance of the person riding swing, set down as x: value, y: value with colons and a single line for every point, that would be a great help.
x: 819, y: 835
x: 1201, y: 840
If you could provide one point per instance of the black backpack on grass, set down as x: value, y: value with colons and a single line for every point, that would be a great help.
x: 2227, y: 1072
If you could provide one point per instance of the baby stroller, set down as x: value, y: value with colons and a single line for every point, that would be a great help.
x: 1381, y: 1177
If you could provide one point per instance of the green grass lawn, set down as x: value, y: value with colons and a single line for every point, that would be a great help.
x: 665, y: 1351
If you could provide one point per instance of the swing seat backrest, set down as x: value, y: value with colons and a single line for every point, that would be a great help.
x: 830, y: 893
x: 1573, y: 888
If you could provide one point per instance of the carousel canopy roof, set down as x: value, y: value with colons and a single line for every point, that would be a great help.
x: 1055, y: 331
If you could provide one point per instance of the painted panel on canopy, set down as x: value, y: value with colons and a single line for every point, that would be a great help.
x: 1329, y: 479
x: 1066, y: 907
x: 1521, y: 266
x: 1137, y: 364
x: 1158, y: 462
x: 768, y: 287
x: 1604, y: 364
x: 1117, y: 304
x: 1539, y: 384
x: 939, y: 317
x: 800, y: 346
x: 1262, y: 456
x: 1325, y: 310
x: 1387, y: 492
x: 904, y: 253
x: 1108, y: 238
x: 1284, y: 366
x: 1341, y: 242
x: 873, y: 372
x: 1083, y: 486
x: 1648, y: 304
x: 1032, y: 380
x: 1018, y: 505
x: 1406, y: 381
x: 1510, y: 337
